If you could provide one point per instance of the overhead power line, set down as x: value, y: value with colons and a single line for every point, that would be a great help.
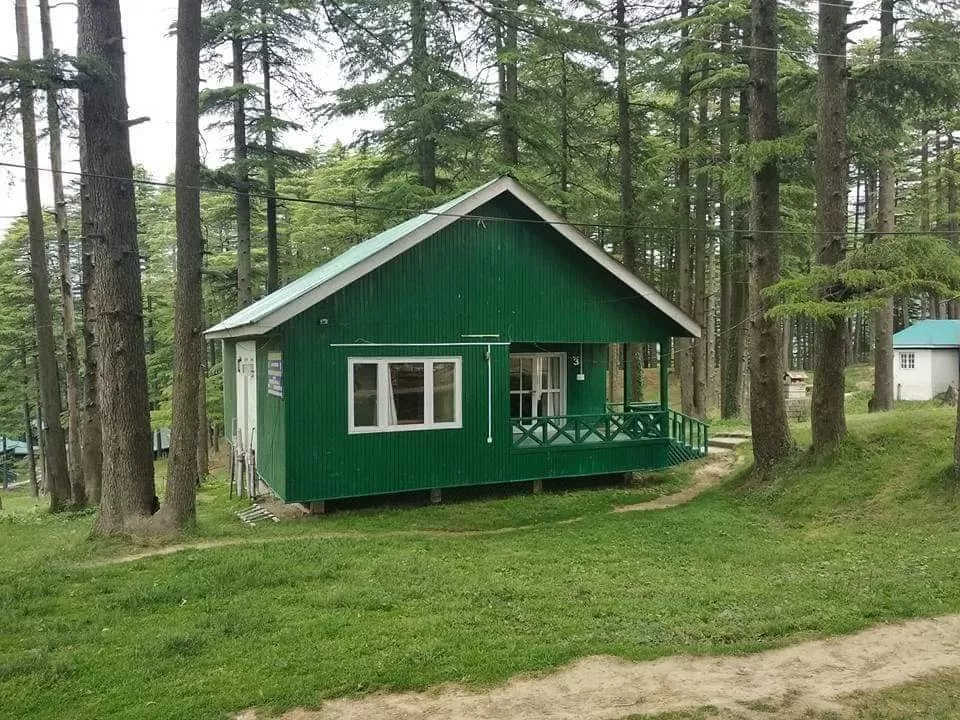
x: 350, y: 205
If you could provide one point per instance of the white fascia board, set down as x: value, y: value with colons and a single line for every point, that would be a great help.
x: 602, y: 258
x: 926, y: 347
x: 239, y: 332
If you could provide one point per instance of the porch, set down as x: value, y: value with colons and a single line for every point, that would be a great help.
x: 640, y: 435
x: 638, y: 424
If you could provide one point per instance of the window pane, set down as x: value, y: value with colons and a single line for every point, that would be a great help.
x: 365, y: 395
x: 406, y: 394
x: 444, y: 392
x: 514, y: 373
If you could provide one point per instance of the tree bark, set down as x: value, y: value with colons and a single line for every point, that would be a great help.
x: 701, y: 348
x: 771, y: 435
x: 420, y: 81
x: 270, y: 171
x: 71, y: 355
x: 203, y: 423
x: 127, y: 485
x: 41, y: 433
x: 506, y: 12
x: 92, y: 431
x: 244, y: 266
x: 627, y: 205
x: 882, y: 399
x: 924, y: 181
x: 684, y: 346
x: 827, y: 412
x: 49, y: 382
x: 953, y: 221
x: 564, y: 133
x: 180, y: 502
x: 28, y: 428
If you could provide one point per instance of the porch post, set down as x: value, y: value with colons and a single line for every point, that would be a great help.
x: 627, y: 377
x: 665, y: 357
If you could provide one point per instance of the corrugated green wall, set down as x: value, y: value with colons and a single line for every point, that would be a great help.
x: 229, y: 388
x: 521, y: 281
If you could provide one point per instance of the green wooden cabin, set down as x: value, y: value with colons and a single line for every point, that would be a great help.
x: 468, y: 345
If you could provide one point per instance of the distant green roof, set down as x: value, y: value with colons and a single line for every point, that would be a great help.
x: 328, y: 271
x: 929, y: 334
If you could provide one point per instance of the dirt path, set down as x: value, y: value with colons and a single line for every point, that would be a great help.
x: 708, y: 474
x: 790, y: 682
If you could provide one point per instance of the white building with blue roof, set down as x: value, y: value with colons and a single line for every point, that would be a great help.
x: 926, y: 359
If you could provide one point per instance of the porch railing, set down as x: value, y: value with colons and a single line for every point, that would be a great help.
x: 647, y: 422
x: 689, y: 432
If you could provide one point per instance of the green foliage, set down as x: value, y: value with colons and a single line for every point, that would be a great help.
x: 902, y: 265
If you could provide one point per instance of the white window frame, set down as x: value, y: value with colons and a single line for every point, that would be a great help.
x: 383, y: 390
x: 561, y: 395
x: 908, y: 361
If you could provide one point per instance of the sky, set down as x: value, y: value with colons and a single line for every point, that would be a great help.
x: 151, y: 84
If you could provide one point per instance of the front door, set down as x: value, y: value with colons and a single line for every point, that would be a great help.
x: 247, y: 396
x: 537, y: 386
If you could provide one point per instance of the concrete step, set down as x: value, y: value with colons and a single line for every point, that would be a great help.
x: 727, y: 441
x: 714, y: 450
x: 740, y: 433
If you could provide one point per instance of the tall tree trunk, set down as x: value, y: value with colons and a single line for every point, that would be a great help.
x: 244, y: 266
x: 735, y: 385
x: 49, y: 383
x: 725, y: 212
x: 627, y: 218
x: 701, y: 348
x: 420, y: 81
x: 925, y: 181
x: 41, y: 439
x: 28, y: 427
x: 827, y: 412
x: 127, y: 489
x: 882, y: 399
x: 180, y: 503
x: 71, y: 355
x: 564, y: 133
x: 953, y: 221
x: 92, y: 432
x: 684, y: 346
x: 270, y: 170
x: 768, y: 417
x: 506, y: 12
x: 203, y: 422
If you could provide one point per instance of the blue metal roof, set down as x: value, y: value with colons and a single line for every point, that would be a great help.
x: 929, y: 334
x: 340, y: 264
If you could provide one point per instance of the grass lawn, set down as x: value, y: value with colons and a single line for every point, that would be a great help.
x: 828, y: 548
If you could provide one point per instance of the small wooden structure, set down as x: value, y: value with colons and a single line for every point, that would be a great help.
x: 466, y: 346
x: 796, y: 391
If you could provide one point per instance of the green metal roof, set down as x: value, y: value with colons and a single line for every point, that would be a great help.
x: 340, y: 264
x: 929, y: 334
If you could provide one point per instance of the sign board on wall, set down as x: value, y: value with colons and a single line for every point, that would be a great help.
x: 275, y: 374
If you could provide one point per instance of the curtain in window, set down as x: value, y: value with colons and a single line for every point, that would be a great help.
x: 406, y: 401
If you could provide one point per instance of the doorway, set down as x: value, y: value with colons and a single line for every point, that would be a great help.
x: 537, y: 386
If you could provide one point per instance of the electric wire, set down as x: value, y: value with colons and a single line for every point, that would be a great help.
x: 351, y: 205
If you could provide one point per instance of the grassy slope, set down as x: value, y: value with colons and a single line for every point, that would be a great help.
x: 828, y: 548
